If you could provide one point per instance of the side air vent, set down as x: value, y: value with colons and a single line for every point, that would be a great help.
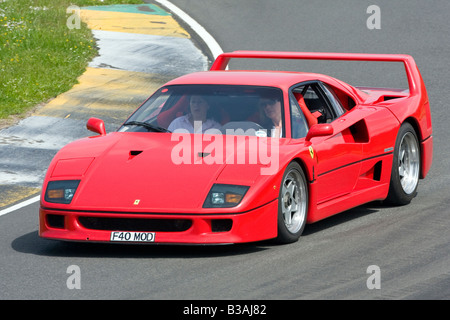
x: 359, y: 132
x: 377, y: 171
x: 373, y: 173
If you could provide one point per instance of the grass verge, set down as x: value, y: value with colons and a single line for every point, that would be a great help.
x: 40, y: 57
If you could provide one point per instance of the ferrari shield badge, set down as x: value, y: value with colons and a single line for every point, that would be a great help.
x: 311, y: 152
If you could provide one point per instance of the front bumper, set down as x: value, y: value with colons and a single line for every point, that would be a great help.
x: 85, y: 226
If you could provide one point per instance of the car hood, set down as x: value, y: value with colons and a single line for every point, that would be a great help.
x: 146, y: 171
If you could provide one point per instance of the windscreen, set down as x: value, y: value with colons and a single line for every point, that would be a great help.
x: 215, y: 109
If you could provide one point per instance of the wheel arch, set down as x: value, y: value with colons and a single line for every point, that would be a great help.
x: 308, y: 172
x: 415, y: 124
x: 308, y: 169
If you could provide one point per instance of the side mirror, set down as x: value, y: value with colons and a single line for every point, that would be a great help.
x: 319, y: 130
x: 96, y: 125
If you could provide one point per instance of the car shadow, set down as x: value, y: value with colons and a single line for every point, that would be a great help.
x: 345, y: 216
x: 31, y: 243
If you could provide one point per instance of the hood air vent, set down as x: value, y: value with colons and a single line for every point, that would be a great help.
x: 134, y: 153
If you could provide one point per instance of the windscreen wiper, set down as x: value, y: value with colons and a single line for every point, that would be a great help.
x: 146, y: 125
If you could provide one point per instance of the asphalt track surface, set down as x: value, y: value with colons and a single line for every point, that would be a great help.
x: 333, y: 259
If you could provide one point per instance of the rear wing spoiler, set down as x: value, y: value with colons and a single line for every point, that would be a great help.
x: 415, y: 81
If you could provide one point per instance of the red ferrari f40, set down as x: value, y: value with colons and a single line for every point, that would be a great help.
x: 229, y: 156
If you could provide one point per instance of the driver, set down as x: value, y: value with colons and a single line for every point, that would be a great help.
x: 197, y: 120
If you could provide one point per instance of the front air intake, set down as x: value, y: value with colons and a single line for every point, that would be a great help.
x: 135, y: 224
x: 221, y: 225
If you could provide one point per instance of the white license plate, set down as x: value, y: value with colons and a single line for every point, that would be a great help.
x: 128, y: 236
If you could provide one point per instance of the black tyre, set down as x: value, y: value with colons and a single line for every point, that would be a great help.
x: 292, y: 204
x: 405, y: 167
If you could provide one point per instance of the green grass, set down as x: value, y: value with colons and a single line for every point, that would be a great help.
x: 40, y: 57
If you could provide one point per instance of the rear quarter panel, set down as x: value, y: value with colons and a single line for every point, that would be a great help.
x: 416, y: 110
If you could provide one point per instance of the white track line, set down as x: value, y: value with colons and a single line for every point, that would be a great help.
x: 19, y: 205
x: 212, y: 44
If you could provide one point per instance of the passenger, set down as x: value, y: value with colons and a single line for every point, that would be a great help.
x: 197, y: 121
x: 272, y: 109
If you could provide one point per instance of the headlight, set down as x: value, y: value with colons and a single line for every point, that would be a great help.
x: 224, y: 196
x: 61, y: 191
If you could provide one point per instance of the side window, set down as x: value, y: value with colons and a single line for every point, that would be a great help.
x: 317, y: 104
x: 346, y: 101
x: 311, y: 103
x: 334, y: 100
x: 299, y: 127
